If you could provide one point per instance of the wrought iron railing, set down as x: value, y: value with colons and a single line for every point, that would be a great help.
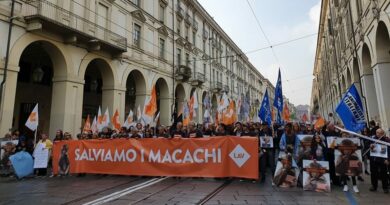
x: 200, y: 77
x: 56, y: 14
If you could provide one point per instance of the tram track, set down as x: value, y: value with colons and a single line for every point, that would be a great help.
x: 73, y: 201
x: 215, y: 192
x: 157, y: 192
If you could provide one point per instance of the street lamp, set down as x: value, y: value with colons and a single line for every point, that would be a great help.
x: 93, y: 85
x: 37, y: 74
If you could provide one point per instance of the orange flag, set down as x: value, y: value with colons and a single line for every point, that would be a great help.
x: 151, y: 107
x: 87, y: 125
x: 229, y: 114
x: 319, y: 123
x: 115, y: 120
x: 286, y: 113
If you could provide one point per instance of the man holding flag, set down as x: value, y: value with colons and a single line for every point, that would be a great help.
x: 278, y: 101
x: 265, y: 110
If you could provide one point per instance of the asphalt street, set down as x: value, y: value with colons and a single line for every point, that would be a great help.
x: 106, y: 189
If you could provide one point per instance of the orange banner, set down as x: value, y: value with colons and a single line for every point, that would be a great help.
x: 197, y: 157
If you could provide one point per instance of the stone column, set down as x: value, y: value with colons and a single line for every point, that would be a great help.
x: 8, y: 99
x: 66, y: 105
x: 165, y: 111
x: 382, y: 85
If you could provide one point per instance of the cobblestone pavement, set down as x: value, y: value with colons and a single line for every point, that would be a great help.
x: 80, y: 190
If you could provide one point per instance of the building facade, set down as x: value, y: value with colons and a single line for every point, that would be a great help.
x: 353, y: 48
x: 73, y: 56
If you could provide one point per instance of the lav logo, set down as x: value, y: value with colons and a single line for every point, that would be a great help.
x: 239, y: 155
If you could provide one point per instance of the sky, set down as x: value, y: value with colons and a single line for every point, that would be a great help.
x: 281, y: 20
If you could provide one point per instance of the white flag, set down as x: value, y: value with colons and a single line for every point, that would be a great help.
x: 154, y: 124
x: 106, y: 118
x: 129, y: 120
x: 223, y: 103
x: 196, y: 104
x: 33, y: 119
x: 94, y: 127
x: 146, y: 119
x: 139, y: 114
x: 99, y: 124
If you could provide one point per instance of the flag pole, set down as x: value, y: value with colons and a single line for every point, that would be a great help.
x: 35, y: 136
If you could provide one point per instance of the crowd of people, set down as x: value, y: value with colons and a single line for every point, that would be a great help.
x: 285, y: 140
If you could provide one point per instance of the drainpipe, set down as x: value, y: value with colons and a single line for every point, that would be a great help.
x: 11, y: 18
x: 173, y: 60
x: 356, y: 55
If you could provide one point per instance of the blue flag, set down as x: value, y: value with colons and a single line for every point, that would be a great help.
x: 278, y: 101
x: 265, y: 110
x: 351, y: 110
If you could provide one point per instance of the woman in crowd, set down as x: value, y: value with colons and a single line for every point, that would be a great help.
x: 318, y: 148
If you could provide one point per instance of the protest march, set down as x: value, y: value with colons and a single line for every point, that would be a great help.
x: 315, y: 156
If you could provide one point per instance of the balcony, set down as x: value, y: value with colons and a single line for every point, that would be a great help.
x: 180, y: 12
x: 195, y: 25
x: 205, y: 34
x: 198, y: 79
x: 217, y: 87
x: 44, y: 15
x: 183, y: 73
x: 226, y: 88
x: 188, y: 19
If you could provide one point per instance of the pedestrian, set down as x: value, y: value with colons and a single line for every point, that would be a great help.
x: 267, y: 155
x: 348, y: 164
x: 318, y: 148
x: 379, y: 165
x: 193, y: 132
x: 44, y: 143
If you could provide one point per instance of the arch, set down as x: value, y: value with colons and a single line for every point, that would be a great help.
x: 135, y: 90
x: 163, y: 103
x: 366, y: 60
x: 98, y: 87
x: 55, y: 50
x: 368, y: 83
x: 342, y: 83
x: 204, y: 94
x: 382, y: 43
x: 348, y: 79
x: 180, y: 95
x: 39, y: 62
x: 355, y: 71
x: 105, y: 67
x: 192, y: 92
x: 214, y: 102
x: 162, y: 87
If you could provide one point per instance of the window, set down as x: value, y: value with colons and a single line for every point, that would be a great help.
x: 232, y: 85
x: 178, y: 56
x: 137, y: 2
x: 204, y: 70
x: 204, y: 46
x: 137, y: 35
x: 162, y: 13
x: 162, y: 48
x: 194, y: 38
x: 187, y: 59
x: 178, y: 27
x: 194, y: 65
x: 186, y: 33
